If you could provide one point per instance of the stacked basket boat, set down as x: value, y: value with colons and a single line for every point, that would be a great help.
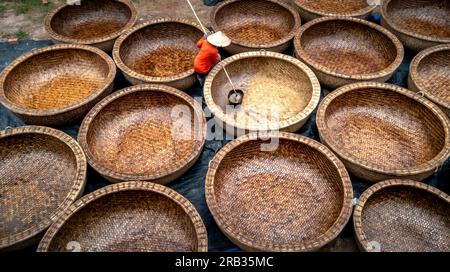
x: 269, y: 189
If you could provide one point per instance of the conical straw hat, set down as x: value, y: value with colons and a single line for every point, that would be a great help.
x: 219, y: 39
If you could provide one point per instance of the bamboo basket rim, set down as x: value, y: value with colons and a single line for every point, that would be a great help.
x: 368, y: 76
x: 218, y: 113
x: 322, y: 240
x: 366, y: 195
x: 430, y: 165
x: 75, y: 192
x: 46, y: 112
x: 415, y: 77
x: 54, y: 35
x: 287, y: 38
x: 188, y: 208
x: 176, y: 167
x: 360, y: 12
x: 386, y: 18
x: 122, y: 66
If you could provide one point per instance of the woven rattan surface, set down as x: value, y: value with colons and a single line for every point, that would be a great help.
x: 130, y: 216
x: 92, y: 22
x: 256, y: 24
x: 159, y: 51
x: 317, y: 8
x: 379, y: 128
x: 346, y: 50
x: 145, y: 132
x: 402, y: 216
x: 430, y: 75
x: 280, y: 92
x: 418, y: 23
x: 295, y: 198
x: 42, y: 171
x: 56, y: 84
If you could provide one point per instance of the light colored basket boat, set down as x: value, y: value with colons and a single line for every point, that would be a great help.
x: 382, y: 131
x: 429, y: 74
x: 418, y: 24
x: 313, y: 9
x: 145, y: 132
x: 402, y: 216
x: 93, y: 22
x: 56, y: 85
x: 160, y: 51
x: 284, y: 193
x: 42, y: 172
x: 256, y: 24
x: 343, y: 50
x: 128, y: 217
x: 280, y: 92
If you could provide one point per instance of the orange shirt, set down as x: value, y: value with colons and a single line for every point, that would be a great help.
x: 206, y: 58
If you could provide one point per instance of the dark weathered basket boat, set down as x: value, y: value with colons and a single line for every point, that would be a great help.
x: 403, y: 216
x: 128, y: 217
x: 382, y: 131
x: 429, y: 74
x: 280, y: 92
x: 145, y: 132
x: 288, y: 193
x: 347, y: 50
x: 256, y: 24
x: 94, y: 22
x: 418, y: 24
x: 42, y: 172
x: 160, y: 51
x: 57, y: 84
x: 312, y: 9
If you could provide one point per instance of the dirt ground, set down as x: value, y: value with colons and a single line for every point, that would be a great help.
x: 29, y: 24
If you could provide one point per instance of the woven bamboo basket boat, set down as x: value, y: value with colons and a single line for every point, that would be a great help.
x: 256, y: 24
x: 94, y: 22
x: 344, y: 50
x: 402, y: 216
x: 159, y: 51
x: 42, y: 172
x: 429, y: 74
x: 284, y: 193
x: 382, y: 131
x: 313, y: 9
x: 145, y: 132
x: 128, y: 217
x: 57, y: 84
x: 418, y: 24
x: 280, y: 92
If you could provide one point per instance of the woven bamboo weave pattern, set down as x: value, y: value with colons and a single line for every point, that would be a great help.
x: 41, y: 172
x: 403, y: 216
x: 428, y: 18
x: 125, y: 217
x: 56, y: 79
x: 135, y: 133
x: 255, y: 24
x: 56, y: 84
x: 272, y: 98
x: 430, y: 75
x: 283, y: 200
x: 92, y: 22
x: 311, y: 9
x: 159, y: 51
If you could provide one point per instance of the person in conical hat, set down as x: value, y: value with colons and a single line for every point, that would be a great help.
x: 208, y: 56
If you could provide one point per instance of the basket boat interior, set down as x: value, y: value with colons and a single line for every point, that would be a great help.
x: 91, y: 20
x: 161, y: 50
x: 56, y: 79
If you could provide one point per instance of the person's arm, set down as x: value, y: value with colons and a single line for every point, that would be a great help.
x: 200, y: 42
